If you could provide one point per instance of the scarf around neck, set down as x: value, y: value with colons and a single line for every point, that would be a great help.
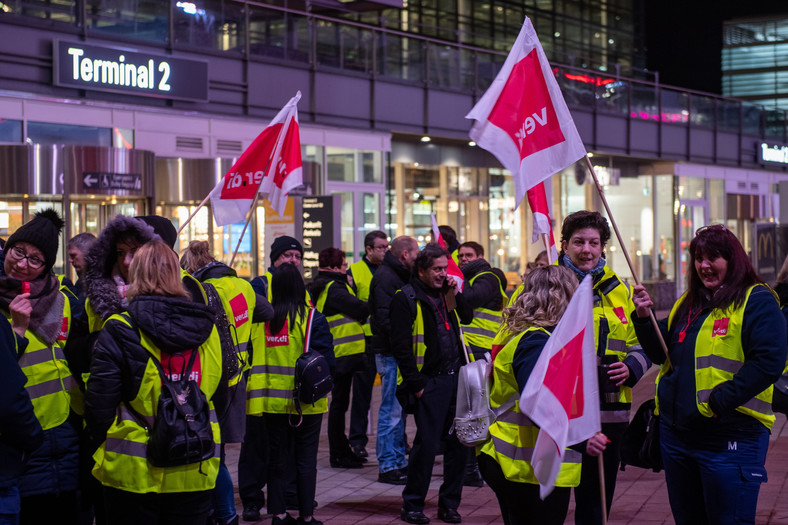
x: 595, y: 272
x: 46, y: 319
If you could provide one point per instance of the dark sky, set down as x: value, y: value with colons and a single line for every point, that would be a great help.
x: 684, y: 37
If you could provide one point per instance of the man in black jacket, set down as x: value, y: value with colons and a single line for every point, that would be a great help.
x: 20, y: 431
x: 426, y: 342
x: 392, y: 274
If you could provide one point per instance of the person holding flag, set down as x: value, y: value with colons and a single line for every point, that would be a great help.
x: 506, y: 460
x: 584, y: 235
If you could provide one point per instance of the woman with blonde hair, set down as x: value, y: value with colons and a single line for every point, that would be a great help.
x: 504, y: 458
x: 159, y: 335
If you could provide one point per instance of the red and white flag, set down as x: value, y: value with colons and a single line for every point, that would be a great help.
x: 523, y: 120
x: 540, y: 199
x: 562, y: 395
x: 271, y: 165
x: 453, y: 269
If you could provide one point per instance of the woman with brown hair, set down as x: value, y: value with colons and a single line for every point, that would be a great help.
x: 161, y: 332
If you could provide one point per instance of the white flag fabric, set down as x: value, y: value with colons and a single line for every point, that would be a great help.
x: 271, y: 165
x: 562, y: 395
x: 522, y: 118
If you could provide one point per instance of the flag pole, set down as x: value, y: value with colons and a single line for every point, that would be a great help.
x: 203, y: 203
x: 546, y: 240
x: 602, y: 488
x: 626, y: 254
x: 246, y: 225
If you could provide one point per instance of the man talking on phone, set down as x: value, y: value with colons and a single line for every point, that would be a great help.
x: 425, y: 340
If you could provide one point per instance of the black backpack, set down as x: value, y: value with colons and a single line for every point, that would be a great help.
x: 640, y: 442
x: 181, y: 432
x: 312, y: 375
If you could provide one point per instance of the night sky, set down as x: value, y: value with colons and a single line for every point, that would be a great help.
x: 684, y: 37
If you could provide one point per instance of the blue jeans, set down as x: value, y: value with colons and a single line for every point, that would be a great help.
x: 390, y: 444
x: 223, y: 495
x: 714, y: 481
x: 10, y: 505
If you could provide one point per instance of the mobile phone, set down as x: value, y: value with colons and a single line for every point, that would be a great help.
x: 25, y: 287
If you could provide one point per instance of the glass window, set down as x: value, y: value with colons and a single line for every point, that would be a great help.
x: 346, y: 216
x: 341, y: 164
x: 281, y: 35
x: 10, y: 130
x: 210, y: 24
x: 505, y: 231
x: 123, y: 138
x: 57, y: 11
x: 371, y: 166
x: 47, y: 133
x: 146, y: 20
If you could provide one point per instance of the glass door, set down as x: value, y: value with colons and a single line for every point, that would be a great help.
x: 692, y: 215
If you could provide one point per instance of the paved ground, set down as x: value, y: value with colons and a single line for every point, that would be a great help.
x: 353, y: 496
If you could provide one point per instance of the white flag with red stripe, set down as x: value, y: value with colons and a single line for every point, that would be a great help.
x: 562, y: 395
x: 271, y: 165
x: 452, y: 269
x: 523, y: 120
x: 540, y: 200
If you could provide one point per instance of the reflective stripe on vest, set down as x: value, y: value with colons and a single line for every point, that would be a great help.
x: 362, y: 278
x: 50, y: 385
x: 271, y: 382
x: 513, y: 435
x: 486, y: 321
x: 238, y: 299
x: 348, y: 333
x: 719, y: 355
x: 121, y: 461
x: 615, y: 306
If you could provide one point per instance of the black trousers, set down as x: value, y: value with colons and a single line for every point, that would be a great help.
x: 292, y: 450
x: 588, y: 500
x: 520, y: 502
x: 363, y: 381
x: 177, y: 508
x: 344, y: 373
x: 434, y: 416
x: 50, y: 508
x: 253, y: 462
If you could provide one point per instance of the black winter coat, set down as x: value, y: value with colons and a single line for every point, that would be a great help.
x: 486, y: 289
x: 390, y: 276
x: 20, y: 432
x: 119, y: 360
x: 339, y: 299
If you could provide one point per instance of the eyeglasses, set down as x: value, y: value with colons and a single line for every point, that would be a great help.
x: 33, y: 261
x: 382, y: 248
x: 711, y: 227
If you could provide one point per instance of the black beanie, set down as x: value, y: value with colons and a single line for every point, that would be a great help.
x: 163, y: 228
x: 42, y: 232
x: 282, y: 244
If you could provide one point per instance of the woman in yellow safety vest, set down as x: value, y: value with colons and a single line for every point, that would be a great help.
x: 32, y: 299
x: 726, y: 338
x: 505, y: 459
x: 160, y: 334
x: 270, y: 394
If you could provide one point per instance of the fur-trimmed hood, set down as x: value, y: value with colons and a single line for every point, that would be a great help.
x: 102, y: 290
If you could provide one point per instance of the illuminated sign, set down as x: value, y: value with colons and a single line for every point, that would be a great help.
x: 767, y: 153
x: 118, y: 70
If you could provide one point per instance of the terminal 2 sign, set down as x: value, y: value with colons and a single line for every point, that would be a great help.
x: 772, y: 153
x: 120, y: 71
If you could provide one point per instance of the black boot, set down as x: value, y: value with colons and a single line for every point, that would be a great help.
x: 472, y: 477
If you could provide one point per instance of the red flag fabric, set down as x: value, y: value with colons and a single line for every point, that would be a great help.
x: 561, y: 396
x: 540, y: 199
x: 523, y: 120
x: 271, y: 165
x: 453, y: 269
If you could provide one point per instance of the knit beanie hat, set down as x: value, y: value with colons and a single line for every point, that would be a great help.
x: 42, y: 232
x: 163, y: 228
x: 282, y: 244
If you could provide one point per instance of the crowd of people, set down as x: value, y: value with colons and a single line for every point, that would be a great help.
x: 94, y: 375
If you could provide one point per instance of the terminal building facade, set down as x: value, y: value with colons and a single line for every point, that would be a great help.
x: 138, y: 107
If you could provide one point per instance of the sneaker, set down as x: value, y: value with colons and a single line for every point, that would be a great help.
x: 393, y: 477
x: 252, y: 512
x: 346, y: 461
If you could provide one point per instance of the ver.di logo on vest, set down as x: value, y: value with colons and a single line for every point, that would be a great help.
x: 282, y: 338
x: 720, y: 327
x: 240, y: 309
